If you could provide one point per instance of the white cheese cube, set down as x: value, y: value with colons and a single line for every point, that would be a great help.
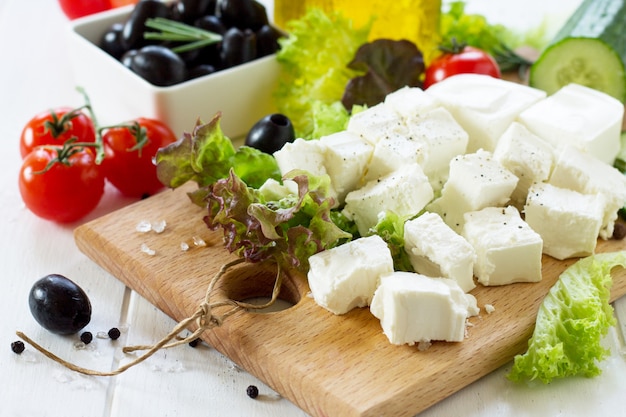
x: 436, y: 250
x: 405, y: 192
x: 507, y: 249
x: 410, y: 101
x: 579, y: 116
x: 391, y: 152
x: 568, y: 221
x: 527, y: 156
x: 376, y: 122
x: 582, y: 172
x: 483, y: 105
x: 476, y: 181
x: 414, y: 308
x: 346, y: 276
x: 346, y: 156
x: 443, y: 138
x: 306, y: 155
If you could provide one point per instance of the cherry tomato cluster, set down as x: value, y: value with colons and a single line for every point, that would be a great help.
x: 460, y: 59
x: 74, y: 9
x: 67, y: 159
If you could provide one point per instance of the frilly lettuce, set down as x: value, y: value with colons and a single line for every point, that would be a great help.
x: 390, y: 228
x: 288, y: 231
x: 571, y: 322
x: 314, y: 65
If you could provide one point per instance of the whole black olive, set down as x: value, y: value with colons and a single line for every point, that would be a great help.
x: 200, y: 71
x: 135, y: 25
x: 244, y: 14
x: 59, y: 305
x: 111, y: 41
x: 190, y: 10
x: 267, y: 40
x: 211, y: 23
x: 271, y: 133
x: 128, y: 57
x: 238, y: 47
x: 158, y: 65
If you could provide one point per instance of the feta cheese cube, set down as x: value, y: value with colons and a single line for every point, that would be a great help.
x: 507, y: 249
x: 346, y: 156
x: 392, y: 151
x: 476, y: 181
x: 527, y: 156
x: 436, y: 250
x: 346, y: 276
x: 582, y: 172
x: 567, y: 221
x: 306, y: 155
x: 443, y: 139
x: 376, y: 122
x: 405, y: 191
x: 410, y: 101
x: 414, y: 308
x: 579, y: 116
x: 483, y: 105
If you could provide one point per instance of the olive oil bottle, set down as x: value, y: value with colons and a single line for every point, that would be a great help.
x: 415, y: 20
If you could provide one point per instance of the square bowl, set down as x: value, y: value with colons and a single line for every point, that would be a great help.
x: 243, y: 94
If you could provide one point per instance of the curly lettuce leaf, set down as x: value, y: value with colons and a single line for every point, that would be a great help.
x: 288, y: 231
x: 571, y: 322
x: 387, y: 66
x: 207, y: 155
x: 314, y: 64
x: 328, y: 118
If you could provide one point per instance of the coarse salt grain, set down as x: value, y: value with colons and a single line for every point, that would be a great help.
x: 145, y: 249
x: 143, y: 226
x: 184, y: 246
x: 198, y: 241
x: 489, y: 308
x: 159, y: 227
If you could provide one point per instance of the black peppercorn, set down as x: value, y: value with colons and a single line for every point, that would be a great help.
x: 194, y: 342
x: 114, y: 333
x: 252, y: 391
x: 86, y: 337
x: 17, y: 346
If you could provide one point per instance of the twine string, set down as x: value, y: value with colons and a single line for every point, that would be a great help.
x: 203, y: 317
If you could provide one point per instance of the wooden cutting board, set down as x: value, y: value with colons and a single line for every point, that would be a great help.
x: 328, y: 365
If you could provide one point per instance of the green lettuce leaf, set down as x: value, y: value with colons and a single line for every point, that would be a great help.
x: 571, y: 322
x: 328, y: 118
x: 207, y: 155
x: 314, y: 65
x: 288, y: 231
x: 390, y: 228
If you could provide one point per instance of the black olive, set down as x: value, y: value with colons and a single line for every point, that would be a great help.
x: 238, y: 47
x: 211, y: 23
x: 128, y: 57
x: 190, y: 10
x: 243, y: 14
x: 111, y: 41
x: 267, y: 40
x: 158, y: 65
x: 59, y: 305
x: 200, y: 71
x: 135, y: 25
x: 271, y: 133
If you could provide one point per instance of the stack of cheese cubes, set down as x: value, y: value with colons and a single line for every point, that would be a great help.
x: 489, y: 175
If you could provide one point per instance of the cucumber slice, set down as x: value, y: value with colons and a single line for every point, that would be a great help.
x: 587, y: 61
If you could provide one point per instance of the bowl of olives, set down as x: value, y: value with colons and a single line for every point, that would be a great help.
x: 178, y: 62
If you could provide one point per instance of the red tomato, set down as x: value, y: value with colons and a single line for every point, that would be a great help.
x: 66, y: 191
x: 74, y: 9
x: 54, y: 127
x: 128, y: 164
x: 121, y: 3
x: 468, y: 60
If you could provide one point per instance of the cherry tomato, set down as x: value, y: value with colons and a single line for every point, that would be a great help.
x: 64, y: 191
x: 74, y: 9
x: 55, y: 127
x: 128, y: 161
x: 467, y: 60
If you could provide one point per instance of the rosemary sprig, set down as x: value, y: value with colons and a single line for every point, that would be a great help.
x: 171, y: 30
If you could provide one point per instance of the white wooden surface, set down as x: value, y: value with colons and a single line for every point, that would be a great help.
x: 34, y: 75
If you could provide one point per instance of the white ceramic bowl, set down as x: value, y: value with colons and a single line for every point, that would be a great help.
x: 243, y: 94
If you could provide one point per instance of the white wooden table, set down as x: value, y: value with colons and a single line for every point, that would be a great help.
x: 35, y: 75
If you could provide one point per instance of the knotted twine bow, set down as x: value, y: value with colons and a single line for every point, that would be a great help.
x: 203, y: 317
